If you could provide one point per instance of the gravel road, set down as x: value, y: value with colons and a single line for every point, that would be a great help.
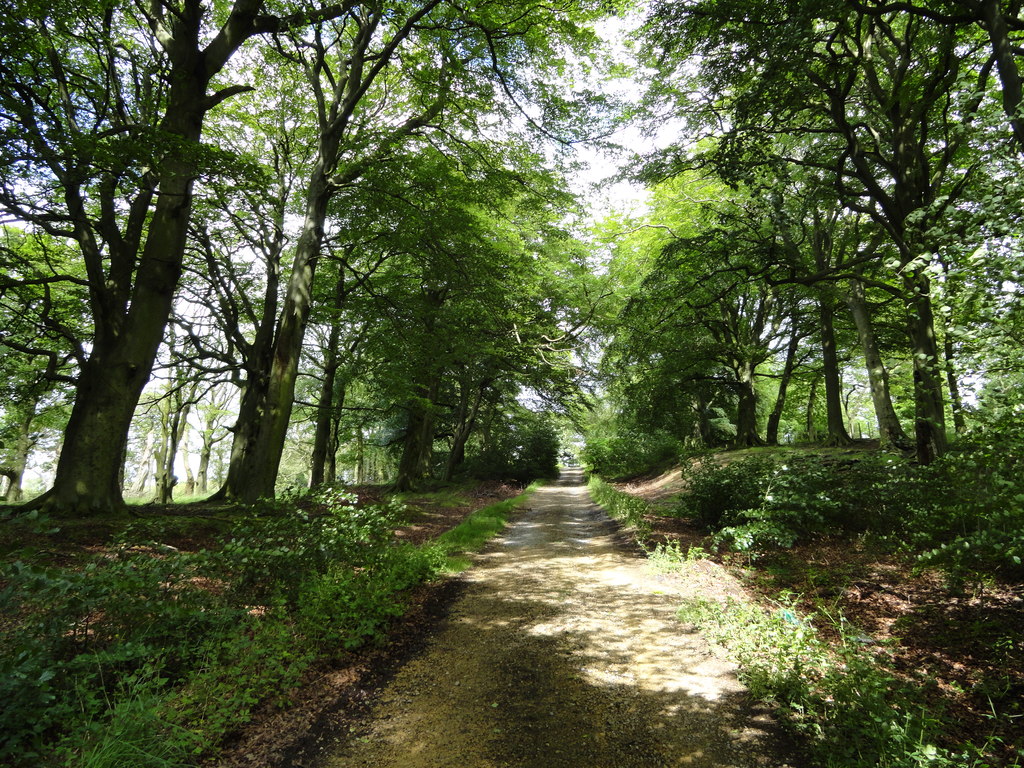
x: 563, y: 651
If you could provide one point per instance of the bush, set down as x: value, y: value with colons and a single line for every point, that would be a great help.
x: 630, y: 453
x: 718, y: 493
x: 272, y: 551
x: 260, y: 659
x: 762, y: 503
x: 963, y: 513
x: 346, y: 607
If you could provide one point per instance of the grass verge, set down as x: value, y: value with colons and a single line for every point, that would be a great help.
x: 629, y: 510
x: 471, y: 534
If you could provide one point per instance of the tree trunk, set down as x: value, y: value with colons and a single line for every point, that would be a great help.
x: 129, y: 329
x: 746, y: 413
x: 326, y: 406
x: 15, y: 471
x: 253, y: 471
x: 190, y: 480
x: 331, y: 468
x: 812, y: 401
x: 929, y: 405
x: 360, y: 458
x: 419, y: 438
x: 772, y: 431
x: 210, y: 424
x: 955, y: 400
x: 160, y: 479
x: 837, y: 434
x: 138, y: 488
x: 1005, y: 56
x: 890, y: 430
x: 464, y: 423
x: 203, y: 471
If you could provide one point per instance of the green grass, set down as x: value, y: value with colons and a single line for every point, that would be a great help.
x: 627, y: 509
x: 473, y: 532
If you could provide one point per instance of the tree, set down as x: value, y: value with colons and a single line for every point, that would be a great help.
x: 894, y: 110
x: 459, y: 69
x: 698, y: 318
x: 102, y: 116
x: 1002, y: 24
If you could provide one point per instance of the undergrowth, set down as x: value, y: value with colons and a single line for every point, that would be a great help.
x: 669, y: 557
x: 852, y: 711
x: 629, y: 510
x: 150, y: 656
x: 963, y: 514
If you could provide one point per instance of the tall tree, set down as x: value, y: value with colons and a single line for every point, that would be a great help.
x: 102, y: 114
x: 382, y: 76
x: 892, y: 105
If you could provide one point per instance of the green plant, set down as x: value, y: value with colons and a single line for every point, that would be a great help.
x: 629, y: 453
x: 133, y: 730
x: 344, y: 608
x: 630, y: 510
x: 668, y: 557
x: 717, y: 492
x: 272, y: 551
x: 853, y: 712
x: 260, y: 658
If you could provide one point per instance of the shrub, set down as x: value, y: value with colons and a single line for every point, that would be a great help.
x: 261, y: 658
x: 273, y: 550
x: 630, y: 453
x: 716, y: 493
x: 345, y: 607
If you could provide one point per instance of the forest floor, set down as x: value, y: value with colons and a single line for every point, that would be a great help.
x: 960, y: 643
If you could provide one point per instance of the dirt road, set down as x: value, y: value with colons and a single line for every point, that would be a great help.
x: 563, y: 652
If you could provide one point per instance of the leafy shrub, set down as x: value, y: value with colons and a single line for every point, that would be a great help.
x: 995, y: 546
x: 273, y: 550
x: 630, y: 453
x: 717, y: 493
x: 762, y: 503
x: 261, y: 658
x: 81, y: 634
x: 668, y: 557
x: 343, y: 608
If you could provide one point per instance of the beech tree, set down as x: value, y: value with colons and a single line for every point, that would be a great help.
x: 102, y: 117
x: 895, y: 109
x: 382, y: 76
